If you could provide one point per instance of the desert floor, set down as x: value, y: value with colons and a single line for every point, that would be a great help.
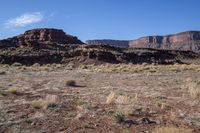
x: 122, y: 98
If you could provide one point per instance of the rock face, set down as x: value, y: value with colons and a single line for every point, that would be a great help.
x: 118, y: 43
x: 182, y: 41
x: 41, y: 36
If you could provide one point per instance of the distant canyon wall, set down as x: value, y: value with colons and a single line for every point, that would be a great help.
x: 182, y: 41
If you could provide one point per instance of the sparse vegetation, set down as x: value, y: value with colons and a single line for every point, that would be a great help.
x: 109, y: 101
x: 36, y: 104
x: 118, y: 117
x: 171, y: 130
x: 71, y: 83
x: 131, y: 68
x: 85, y: 125
x: 2, y: 94
x: 81, y: 104
x: 13, y: 91
x: 159, y: 103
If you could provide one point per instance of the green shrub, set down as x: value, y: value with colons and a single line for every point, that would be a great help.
x: 119, y: 117
x: 2, y: 94
x: 13, y: 90
x: 36, y: 104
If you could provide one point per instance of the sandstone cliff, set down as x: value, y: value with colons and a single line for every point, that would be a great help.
x: 182, y: 41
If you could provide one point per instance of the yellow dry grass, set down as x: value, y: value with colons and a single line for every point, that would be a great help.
x: 131, y: 68
x: 171, y: 130
x: 111, y: 98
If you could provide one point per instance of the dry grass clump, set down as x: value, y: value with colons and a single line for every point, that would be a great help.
x: 13, y: 91
x: 123, y: 102
x: 111, y: 98
x: 171, y: 130
x: 163, y: 105
x: 82, y: 105
x: 129, y: 68
x: 193, y: 87
x: 37, y: 104
x: 71, y: 83
x: 2, y: 94
x: 126, y: 131
x: 85, y: 125
x: 50, y: 101
x: 184, y: 67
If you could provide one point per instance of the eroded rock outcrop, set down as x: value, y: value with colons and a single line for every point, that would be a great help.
x: 41, y: 36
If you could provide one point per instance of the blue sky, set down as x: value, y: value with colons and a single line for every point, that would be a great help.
x: 100, y: 19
